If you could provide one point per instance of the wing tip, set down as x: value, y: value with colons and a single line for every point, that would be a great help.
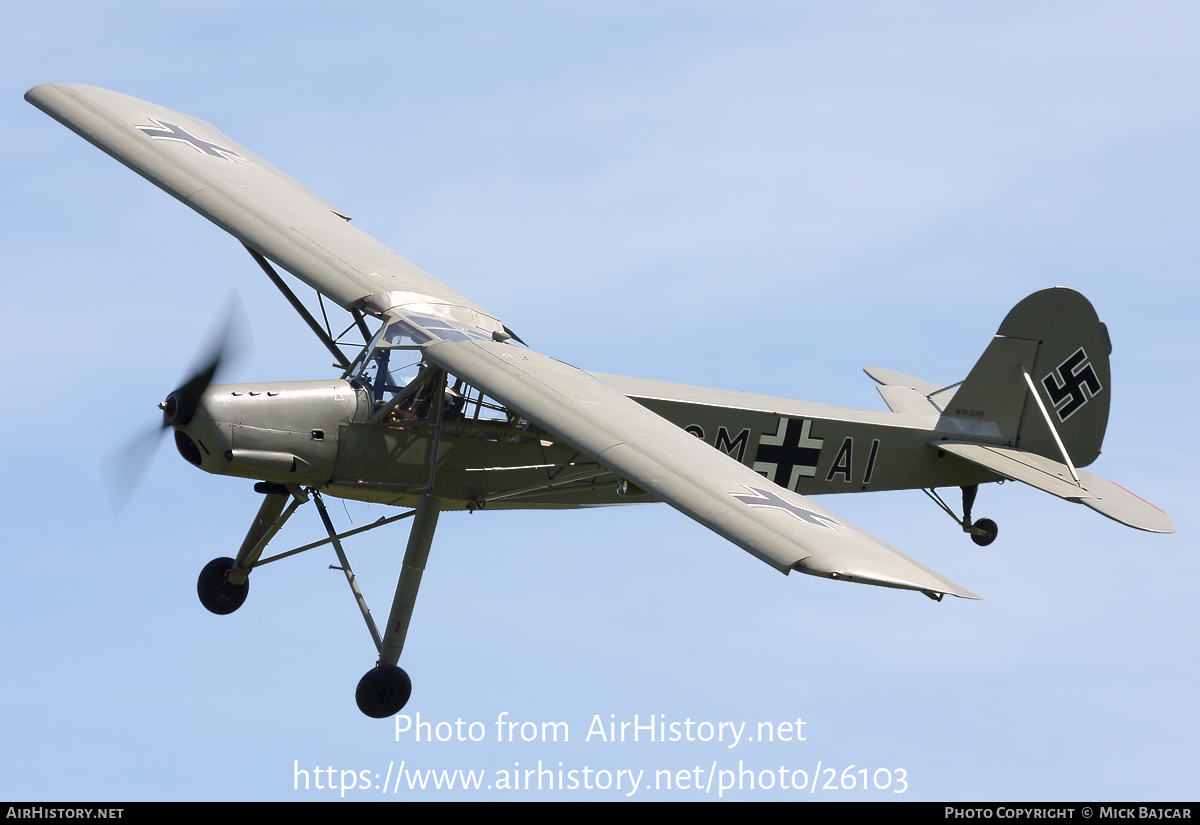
x: 933, y: 592
x: 33, y: 94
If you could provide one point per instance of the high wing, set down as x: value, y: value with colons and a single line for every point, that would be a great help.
x: 253, y: 201
x: 782, y: 528
x: 272, y: 214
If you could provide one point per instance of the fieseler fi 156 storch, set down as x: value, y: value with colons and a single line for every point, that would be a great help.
x: 440, y: 406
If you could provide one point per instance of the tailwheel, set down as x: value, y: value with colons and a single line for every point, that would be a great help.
x: 383, y: 691
x: 983, y: 532
x: 215, y: 591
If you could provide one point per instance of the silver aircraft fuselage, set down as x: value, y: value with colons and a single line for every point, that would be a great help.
x: 319, y: 433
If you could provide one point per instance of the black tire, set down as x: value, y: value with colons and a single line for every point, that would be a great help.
x: 988, y: 526
x: 216, y: 594
x: 383, y: 691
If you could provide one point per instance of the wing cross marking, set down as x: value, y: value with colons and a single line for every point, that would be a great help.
x: 169, y: 131
x: 765, y: 498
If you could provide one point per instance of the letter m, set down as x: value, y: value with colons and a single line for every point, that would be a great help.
x: 727, y: 446
x: 554, y: 726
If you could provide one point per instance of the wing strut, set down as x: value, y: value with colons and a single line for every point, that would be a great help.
x: 300, y: 308
x: 362, y: 327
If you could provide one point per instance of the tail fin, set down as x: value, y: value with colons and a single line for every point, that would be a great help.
x: 1056, y: 336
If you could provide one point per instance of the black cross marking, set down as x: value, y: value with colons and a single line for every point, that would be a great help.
x: 1072, y: 384
x: 790, y: 454
x: 169, y: 131
x: 766, y: 498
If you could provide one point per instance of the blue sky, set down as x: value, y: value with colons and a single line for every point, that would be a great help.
x: 764, y: 197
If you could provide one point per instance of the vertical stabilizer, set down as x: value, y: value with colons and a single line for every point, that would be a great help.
x: 1056, y: 336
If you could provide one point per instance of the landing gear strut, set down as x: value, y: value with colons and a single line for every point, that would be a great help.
x: 224, y: 583
x: 984, y: 531
x: 385, y: 689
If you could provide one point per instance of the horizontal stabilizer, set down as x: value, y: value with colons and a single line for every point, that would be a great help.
x: 907, y: 400
x: 891, y: 378
x: 908, y: 394
x: 1053, y: 477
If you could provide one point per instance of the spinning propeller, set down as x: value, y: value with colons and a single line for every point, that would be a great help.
x: 124, y: 468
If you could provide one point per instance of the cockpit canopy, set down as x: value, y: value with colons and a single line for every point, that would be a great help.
x: 395, y: 362
x: 418, y: 330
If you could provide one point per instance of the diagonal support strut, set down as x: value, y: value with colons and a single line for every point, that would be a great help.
x: 312, y: 322
x: 337, y: 546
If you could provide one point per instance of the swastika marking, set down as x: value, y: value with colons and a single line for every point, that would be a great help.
x: 1072, y: 384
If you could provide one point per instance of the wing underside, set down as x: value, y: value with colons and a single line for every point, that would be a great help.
x: 783, y: 529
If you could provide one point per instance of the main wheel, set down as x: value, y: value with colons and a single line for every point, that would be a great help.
x: 987, y: 526
x: 216, y: 593
x: 383, y: 691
